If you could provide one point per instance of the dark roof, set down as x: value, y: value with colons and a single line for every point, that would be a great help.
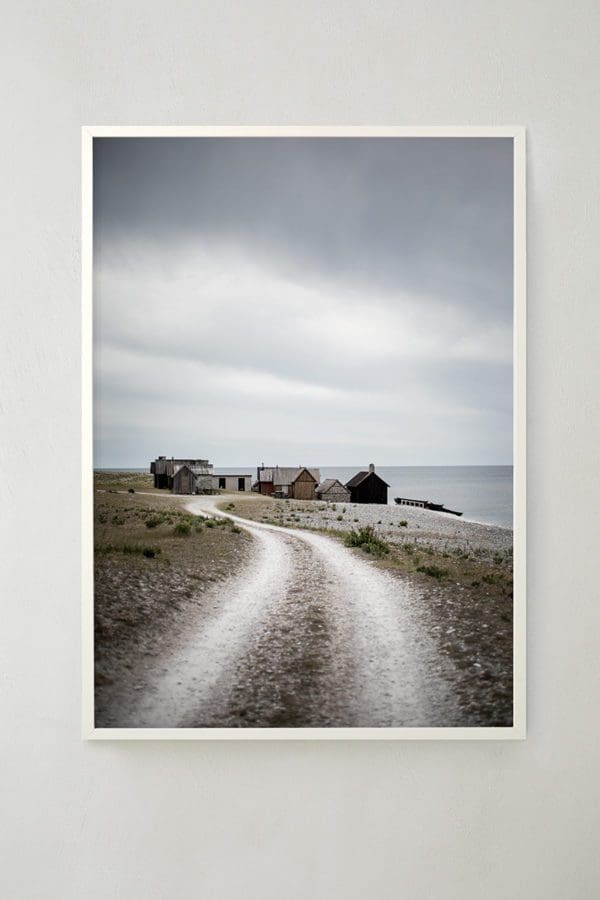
x: 360, y: 477
x: 356, y: 479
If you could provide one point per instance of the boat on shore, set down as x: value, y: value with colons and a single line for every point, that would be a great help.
x: 426, y: 504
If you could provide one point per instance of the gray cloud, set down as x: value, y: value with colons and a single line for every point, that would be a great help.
x: 351, y: 298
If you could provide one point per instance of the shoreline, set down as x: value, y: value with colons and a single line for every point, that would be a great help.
x: 421, y: 524
x: 143, y: 472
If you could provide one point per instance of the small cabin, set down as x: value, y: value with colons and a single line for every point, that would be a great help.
x: 192, y: 479
x: 368, y: 487
x: 280, y: 481
x: 303, y: 486
x: 332, y: 491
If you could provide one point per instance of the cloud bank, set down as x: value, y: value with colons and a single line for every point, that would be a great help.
x: 315, y: 301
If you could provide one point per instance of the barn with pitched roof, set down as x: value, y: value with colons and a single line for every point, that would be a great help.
x: 189, y: 479
x: 367, y: 487
x: 296, y: 482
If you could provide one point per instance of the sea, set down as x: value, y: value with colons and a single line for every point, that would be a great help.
x: 481, y: 493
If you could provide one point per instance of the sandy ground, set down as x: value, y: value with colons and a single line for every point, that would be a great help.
x: 303, y: 631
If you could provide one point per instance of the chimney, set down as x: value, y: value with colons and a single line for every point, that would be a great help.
x: 371, y: 467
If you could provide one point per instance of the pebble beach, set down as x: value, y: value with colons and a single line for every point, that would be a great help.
x: 440, y: 531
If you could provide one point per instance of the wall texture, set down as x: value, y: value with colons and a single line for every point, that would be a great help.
x: 295, y: 820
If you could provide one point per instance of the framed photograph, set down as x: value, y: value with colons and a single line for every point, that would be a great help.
x: 303, y: 433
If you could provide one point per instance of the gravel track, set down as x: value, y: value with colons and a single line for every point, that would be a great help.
x: 307, y: 634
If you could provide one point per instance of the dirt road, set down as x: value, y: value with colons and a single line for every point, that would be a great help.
x: 306, y: 634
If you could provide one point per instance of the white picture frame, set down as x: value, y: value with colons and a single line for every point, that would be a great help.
x: 518, y: 729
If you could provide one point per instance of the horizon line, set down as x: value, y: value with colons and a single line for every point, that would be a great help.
x: 333, y: 465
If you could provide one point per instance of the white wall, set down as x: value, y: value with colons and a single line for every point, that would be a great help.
x: 472, y: 820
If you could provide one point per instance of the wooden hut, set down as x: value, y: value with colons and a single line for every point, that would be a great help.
x: 279, y: 481
x: 192, y: 479
x: 367, y: 487
x: 303, y: 486
x: 332, y: 491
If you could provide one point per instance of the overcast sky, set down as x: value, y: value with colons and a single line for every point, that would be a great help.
x: 312, y: 301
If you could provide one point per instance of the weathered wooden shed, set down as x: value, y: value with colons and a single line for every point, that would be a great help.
x: 332, y: 491
x: 192, y: 479
x: 367, y: 487
x: 279, y: 480
x: 303, y: 486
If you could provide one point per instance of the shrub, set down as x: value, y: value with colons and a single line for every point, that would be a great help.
x: 153, y: 521
x: 131, y: 490
x: 403, y: 524
x: 131, y: 548
x: 339, y: 518
x: 151, y: 552
x: 433, y: 572
x: 210, y: 523
x: 236, y: 529
x: 182, y: 529
x: 367, y: 540
x: 127, y: 549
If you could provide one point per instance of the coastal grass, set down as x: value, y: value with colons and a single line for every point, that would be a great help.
x: 127, y: 548
x: 124, y: 481
x: 482, y: 572
x: 124, y: 522
x: 367, y: 539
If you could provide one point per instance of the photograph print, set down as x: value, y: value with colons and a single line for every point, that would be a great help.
x: 305, y: 463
